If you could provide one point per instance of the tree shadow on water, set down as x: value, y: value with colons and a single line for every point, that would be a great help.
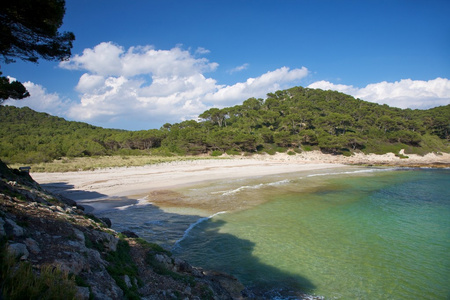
x: 193, y: 238
x: 212, y: 249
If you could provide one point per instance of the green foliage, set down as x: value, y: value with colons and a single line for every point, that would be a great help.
x: 29, y: 137
x: 30, y: 30
x: 271, y: 151
x: 297, y: 118
x: 216, y: 153
x: 14, y: 90
x: 121, y: 264
x: 232, y: 152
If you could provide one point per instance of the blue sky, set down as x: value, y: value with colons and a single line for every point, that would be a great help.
x: 142, y: 63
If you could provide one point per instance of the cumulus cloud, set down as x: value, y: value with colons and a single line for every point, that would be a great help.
x: 149, y: 85
x: 42, y: 101
x: 108, y: 59
x: 257, y: 87
x: 406, y: 93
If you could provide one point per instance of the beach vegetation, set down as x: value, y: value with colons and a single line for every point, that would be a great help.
x: 297, y: 118
x: 216, y: 153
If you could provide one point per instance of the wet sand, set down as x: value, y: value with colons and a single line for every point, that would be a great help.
x: 84, y: 186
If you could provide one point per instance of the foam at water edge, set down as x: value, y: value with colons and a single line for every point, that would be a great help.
x: 186, y: 233
x: 353, y: 172
x: 257, y: 186
x: 140, y: 202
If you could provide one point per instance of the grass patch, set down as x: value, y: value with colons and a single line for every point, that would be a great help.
x: 122, y: 264
x: 19, y: 281
x: 14, y: 194
x: 95, y: 219
x: 102, y: 162
x: 152, y: 247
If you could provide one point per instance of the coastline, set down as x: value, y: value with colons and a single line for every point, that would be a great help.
x: 131, y: 181
x: 115, y: 184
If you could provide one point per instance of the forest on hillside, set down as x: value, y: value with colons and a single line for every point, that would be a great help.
x: 294, y: 120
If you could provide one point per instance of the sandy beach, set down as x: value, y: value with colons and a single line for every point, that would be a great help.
x: 124, y: 182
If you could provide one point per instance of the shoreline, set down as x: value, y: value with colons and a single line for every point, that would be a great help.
x: 116, y: 184
x: 132, y: 181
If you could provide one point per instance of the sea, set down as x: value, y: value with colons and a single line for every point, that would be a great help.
x: 342, y: 233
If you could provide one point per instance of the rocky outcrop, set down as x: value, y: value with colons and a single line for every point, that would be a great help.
x: 53, y: 234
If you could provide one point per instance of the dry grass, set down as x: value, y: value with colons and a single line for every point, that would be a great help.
x: 101, y: 162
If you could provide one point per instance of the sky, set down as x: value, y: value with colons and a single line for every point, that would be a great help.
x: 139, y: 64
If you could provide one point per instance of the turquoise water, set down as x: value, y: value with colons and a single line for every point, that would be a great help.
x: 346, y: 233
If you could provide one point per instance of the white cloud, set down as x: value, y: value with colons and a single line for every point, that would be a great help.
x: 201, y: 50
x: 144, y: 84
x: 406, y: 93
x: 108, y: 59
x: 239, y: 68
x: 42, y: 101
x: 257, y: 87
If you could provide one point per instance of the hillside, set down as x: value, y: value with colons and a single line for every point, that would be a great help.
x: 298, y: 119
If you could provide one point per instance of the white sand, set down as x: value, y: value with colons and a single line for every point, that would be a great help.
x: 139, y: 180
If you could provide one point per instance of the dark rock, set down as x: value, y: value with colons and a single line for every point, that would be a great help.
x: 32, y: 245
x: 19, y: 250
x: 12, y: 228
x: 130, y: 234
x: 83, y: 292
x: 107, y: 222
x: 67, y: 201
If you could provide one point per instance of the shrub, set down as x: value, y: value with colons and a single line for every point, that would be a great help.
x: 216, y: 153
x: 233, y: 152
x: 271, y: 151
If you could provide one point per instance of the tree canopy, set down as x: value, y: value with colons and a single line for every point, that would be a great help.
x: 13, y: 90
x: 295, y: 120
x: 29, y: 31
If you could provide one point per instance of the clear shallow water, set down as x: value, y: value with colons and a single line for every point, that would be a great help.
x: 355, y: 233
